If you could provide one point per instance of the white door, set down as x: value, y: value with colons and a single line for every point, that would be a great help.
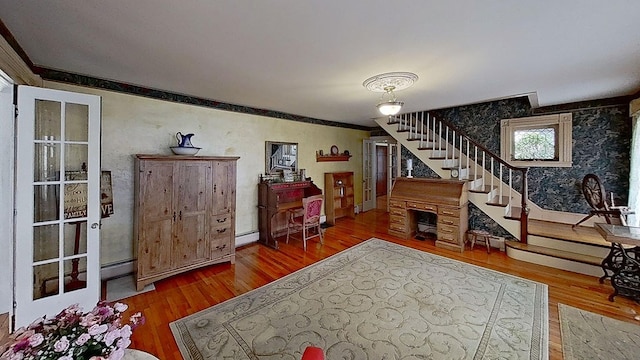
x: 368, y: 173
x: 57, y: 202
x: 393, y: 170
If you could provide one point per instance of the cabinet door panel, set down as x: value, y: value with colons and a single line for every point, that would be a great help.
x: 156, y: 237
x: 191, y: 243
x: 156, y: 190
x: 156, y: 248
x: 224, y: 184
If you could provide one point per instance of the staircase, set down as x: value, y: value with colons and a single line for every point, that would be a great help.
x: 496, y: 188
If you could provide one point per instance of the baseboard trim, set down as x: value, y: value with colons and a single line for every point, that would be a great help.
x: 245, y: 239
x: 127, y: 267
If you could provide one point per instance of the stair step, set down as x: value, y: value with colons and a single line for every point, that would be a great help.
x: 559, y: 231
x: 443, y: 158
x: 481, y: 189
x: 418, y: 139
x: 427, y: 148
x: 560, y: 254
x: 514, y: 214
x: 496, y: 201
x: 393, y: 122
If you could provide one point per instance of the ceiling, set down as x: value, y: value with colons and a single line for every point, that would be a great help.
x: 309, y: 58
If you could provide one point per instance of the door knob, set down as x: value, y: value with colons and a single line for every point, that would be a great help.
x: 94, y: 225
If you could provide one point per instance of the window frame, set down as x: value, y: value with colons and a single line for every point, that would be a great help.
x: 564, y: 144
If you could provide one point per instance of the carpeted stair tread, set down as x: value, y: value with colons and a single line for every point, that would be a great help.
x: 560, y: 254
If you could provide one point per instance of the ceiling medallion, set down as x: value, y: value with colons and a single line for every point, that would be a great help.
x: 397, y: 80
x: 387, y: 83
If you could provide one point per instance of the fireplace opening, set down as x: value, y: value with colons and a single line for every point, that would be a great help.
x: 427, y: 226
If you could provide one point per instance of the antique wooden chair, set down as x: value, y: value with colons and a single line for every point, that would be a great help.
x: 310, y: 219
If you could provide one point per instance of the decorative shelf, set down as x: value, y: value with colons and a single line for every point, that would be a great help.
x: 340, y: 157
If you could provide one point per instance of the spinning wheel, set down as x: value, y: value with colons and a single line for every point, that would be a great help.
x: 595, y: 195
x: 593, y: 191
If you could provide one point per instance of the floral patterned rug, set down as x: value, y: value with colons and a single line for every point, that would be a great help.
x: 377, y: 300
x: 586, y: 335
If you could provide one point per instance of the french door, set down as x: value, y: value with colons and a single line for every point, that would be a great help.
x: 393, y: 170
x: 57, y: 202
x: 368, y: 174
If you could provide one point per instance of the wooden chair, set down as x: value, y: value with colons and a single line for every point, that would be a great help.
x: 310, y: 219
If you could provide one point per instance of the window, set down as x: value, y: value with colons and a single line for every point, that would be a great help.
x: 543, y: 141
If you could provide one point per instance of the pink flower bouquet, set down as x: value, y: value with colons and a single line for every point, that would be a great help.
x: 72, y: 334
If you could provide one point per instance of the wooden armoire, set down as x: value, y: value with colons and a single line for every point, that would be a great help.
x: 184, y: 214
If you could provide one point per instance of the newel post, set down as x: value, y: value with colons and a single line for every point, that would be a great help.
x: 524, y: 213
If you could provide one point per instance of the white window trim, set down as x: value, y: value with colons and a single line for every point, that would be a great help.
x: 563, y: 121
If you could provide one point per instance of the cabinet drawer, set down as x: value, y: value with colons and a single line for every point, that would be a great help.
x: 421, y: 206
x: 454, y: 212
x: 395, y: 219
x: 448, y: 220
x: 397, y: 227
x: 220, y: 231
x: 448, y: 233
x: 448, y: 237
x: 396, y: 204
x: 221, y: 220
x: 220, y: 246
x: 398, y: 212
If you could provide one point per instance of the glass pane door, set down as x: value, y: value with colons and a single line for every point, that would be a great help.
x: 368, y: 171
x: 58, y: 170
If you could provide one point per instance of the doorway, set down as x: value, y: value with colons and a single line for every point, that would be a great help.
x: 380, y: 159
x: 382, y: 151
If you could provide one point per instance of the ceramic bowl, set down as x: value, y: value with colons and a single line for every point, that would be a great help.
x: 180, y: 150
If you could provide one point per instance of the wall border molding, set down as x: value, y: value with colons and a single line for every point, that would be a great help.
x: 84, y: 80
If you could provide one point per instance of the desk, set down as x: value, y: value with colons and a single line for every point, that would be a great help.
x: 274, y: 201
x: 446, y: 199
x: 623, y: 261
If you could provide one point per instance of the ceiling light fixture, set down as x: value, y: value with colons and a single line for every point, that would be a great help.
x: 391, y: 106
x: 386, y: 84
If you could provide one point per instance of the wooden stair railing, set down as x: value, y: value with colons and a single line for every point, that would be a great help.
x: 459, y: 151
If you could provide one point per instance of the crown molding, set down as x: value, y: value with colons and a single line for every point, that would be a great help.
x: 13, y: 64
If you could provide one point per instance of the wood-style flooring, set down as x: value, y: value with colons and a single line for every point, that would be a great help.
x: 257, y: 265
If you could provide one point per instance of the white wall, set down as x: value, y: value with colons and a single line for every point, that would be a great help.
x: 134, y: 125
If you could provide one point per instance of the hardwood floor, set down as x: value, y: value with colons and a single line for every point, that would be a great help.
x: 257, y: 265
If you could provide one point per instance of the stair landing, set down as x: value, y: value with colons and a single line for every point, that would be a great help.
x: 580, y: 249
x: 580, y: 234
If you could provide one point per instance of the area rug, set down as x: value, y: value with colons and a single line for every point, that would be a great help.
x: 376, y: 300
x: 586, y: 335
